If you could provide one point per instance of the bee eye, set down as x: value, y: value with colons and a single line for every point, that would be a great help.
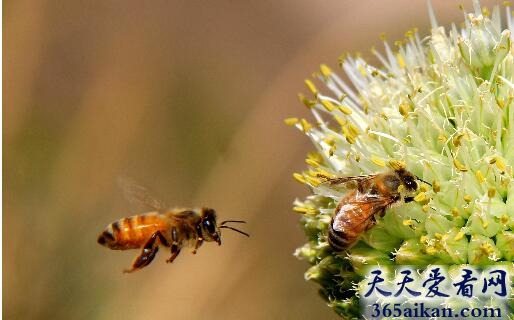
x: 209, y: 226
x: 410, y: 184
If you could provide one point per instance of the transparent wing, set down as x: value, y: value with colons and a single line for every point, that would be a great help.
x: 362, y: 183
x: 359, y: 211
x: 343, y: 180
x: 139, y: 197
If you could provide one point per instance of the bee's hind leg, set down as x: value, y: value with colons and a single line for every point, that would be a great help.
x: 148, y: 253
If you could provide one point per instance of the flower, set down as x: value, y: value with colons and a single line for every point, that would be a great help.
x: 443, y: 108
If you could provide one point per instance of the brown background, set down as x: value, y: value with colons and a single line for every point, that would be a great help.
x: 189, y: 98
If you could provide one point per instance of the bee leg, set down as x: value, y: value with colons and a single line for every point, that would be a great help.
x: 148, y: 253
x: 175, y: 249
x: 198, y: 243
x: 408, y: 199
x: 199, y: 240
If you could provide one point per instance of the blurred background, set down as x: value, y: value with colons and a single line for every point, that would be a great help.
x: 188, y: 98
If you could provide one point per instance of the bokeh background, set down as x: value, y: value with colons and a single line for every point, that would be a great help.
x: 187, y: 97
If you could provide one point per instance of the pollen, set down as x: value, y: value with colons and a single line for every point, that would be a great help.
x: 325, y: 70
x: 379, y: 162
x: 480, y: 176
x: 310, y: 85
x: 459, y: 165
x: 397, y: 164
x: 306, y: 102
x: 404, y: 109
x: 459, y: 236
x: 329, y: 106
x: 301, y: 210
x: 299, y: 177
x: 421, y: 197
x: 436, y: 186
x: 291, y: 121
x: 491, y: 192
x: 345, y: 109
x: 306, y: 125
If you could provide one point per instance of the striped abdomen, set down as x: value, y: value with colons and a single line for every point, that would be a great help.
x: 353, y: 216
x: 133, y: 232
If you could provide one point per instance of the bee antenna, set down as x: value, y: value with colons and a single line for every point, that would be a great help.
x: 235, y: 221
x: 234, y: 229
x: 418, y: 178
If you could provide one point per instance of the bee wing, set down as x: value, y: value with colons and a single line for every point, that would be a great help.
x: 368, y: 205
x: 139, y: 197
x: 351, y: 182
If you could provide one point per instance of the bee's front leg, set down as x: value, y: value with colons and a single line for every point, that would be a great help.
x: 199, y: 239
x: 148, y: 253
x: 198, y: 243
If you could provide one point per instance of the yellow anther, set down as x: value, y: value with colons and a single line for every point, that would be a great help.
x: 315, y: 157
x: 500, y: 165
x: 299, y: 177
x: 491, y: 192
x: 396, y: 164
x: 306, y: 126
x: 312, y: 163
x: 425, y: 208
x: 379, y: 162
x: 487, y: 248
x: 313, y: 181
x: 468, y: 198
x: 408, y: 222
x: 300, y: 209
x: 341, y: 121
x: 421, y: 197
x: 431, y: 250
x: 459, y: 165
x: 329, y: 140
x: 455, y: 212
x: 459, y: 236
x: 436, y: 186
x: 457, y: 139
x: 480, y: 176
x: 328, y: 105
x: 310, y: 85
x: 404, y: 109
x: 306, y: 102
x: 350, y: 137
x: 401, y: 60
x: 325, y: 70
x: 345, y: 110
x: 291, y: 121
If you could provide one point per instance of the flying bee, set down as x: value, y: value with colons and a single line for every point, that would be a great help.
x: 174, y: 228
x: 370, y: 195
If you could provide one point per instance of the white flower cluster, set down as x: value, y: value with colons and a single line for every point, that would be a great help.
x: 443, y: 108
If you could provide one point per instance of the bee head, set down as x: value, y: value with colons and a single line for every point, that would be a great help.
x: 210, y: 230
x: 409, y: 181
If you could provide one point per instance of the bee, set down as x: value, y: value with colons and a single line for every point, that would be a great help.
x: 173, y: 228
x: 369, y: 196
